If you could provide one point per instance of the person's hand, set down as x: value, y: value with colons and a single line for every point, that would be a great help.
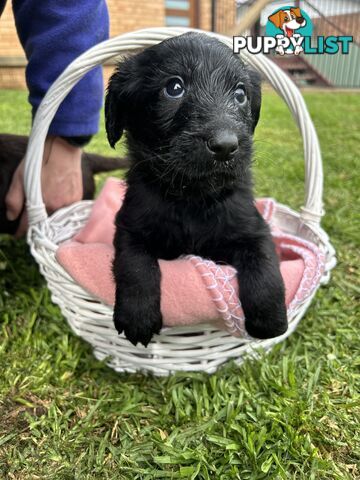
x: 61, y: 181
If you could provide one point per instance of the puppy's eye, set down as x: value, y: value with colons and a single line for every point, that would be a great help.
x: 174, y: 88
x: 240, y: 95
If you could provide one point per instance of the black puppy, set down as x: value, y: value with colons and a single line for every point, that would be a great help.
x: 189, y: 106
x: 12, y: 151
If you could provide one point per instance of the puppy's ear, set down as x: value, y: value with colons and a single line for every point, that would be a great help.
x: 255, y: 96
x: 296, y: 11
x: 114, y: 121
x: 276, y: 18
x: 118, y: 96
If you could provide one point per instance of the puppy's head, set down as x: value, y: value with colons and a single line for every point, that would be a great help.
x: 189, y: 106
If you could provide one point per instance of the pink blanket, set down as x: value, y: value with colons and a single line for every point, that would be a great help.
x: 193, y: 290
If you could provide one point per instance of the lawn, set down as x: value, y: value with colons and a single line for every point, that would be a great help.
x: 293, y: 414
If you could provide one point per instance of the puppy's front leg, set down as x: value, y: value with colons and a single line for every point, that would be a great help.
x: 137, y: 299
x: 262, y: 292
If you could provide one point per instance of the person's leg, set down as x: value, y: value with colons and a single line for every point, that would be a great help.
x: 53, y: 33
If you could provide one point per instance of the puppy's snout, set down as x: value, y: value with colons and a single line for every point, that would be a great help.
x: 300, y: 19
x: 223, y: 144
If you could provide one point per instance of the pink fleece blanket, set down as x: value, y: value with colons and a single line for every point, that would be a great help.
x: 193, y: 290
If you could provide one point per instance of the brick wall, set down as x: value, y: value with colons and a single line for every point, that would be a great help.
x: 12, y: 77
x: 128, y: 15
x: 9, y: 43
x: 205, y: 14
x: 225, y: 15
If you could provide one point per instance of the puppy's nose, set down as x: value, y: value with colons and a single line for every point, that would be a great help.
x: 223, y: 144
x: 300, y: 19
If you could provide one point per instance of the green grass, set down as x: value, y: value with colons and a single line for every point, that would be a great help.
x: 292, y: 415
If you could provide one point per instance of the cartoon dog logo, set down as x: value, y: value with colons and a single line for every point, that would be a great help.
x: 288, y: 20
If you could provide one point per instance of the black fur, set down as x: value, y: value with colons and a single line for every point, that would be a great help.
x: 185, y: 195
x: 12, y: 150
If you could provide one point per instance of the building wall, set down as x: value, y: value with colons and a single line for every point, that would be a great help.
x: 128, y: 15
x: 205, y: 14
x: 9, y: 43
x: 10, y: 77
x: 225, y: 14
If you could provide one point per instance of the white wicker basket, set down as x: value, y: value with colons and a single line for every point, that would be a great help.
x: 197, y: 348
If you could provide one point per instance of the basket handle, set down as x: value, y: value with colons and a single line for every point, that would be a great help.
x: 311, y: 213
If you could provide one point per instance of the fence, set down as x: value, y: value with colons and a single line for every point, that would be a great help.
x: 336, y: 17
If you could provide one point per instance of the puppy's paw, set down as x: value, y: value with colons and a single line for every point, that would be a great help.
x: 269, y: 327
x: 138, y: 322
x: 266, y: 319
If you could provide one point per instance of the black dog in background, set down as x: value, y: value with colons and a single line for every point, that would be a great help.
x: 12, y: 150
x: 189, y: 107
